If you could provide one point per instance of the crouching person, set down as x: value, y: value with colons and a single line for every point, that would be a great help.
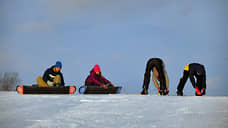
x: 96, y: 79
x: 52, y: 77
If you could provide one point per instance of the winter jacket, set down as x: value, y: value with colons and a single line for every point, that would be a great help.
x: 95, y: 80
x: 49, y: 75
x: 196, y: 70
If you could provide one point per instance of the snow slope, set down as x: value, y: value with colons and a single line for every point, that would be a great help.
x: 111, y: 111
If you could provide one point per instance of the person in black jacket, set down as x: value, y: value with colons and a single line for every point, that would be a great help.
x: 156, y: 65
x: 193, y: 70
x: 52, y: 76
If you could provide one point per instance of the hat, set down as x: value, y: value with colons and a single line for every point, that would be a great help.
x: 58, y: 64
x: 96, y: 68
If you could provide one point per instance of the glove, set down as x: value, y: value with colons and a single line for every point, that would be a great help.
x: 203, y: 91
x: 166, y: 91
x: 198, y: 93
x: 105, y: 87
x: 112, y: 85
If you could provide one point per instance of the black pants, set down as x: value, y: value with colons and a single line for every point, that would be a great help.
x: 149, y: 67
x: 200, y: 83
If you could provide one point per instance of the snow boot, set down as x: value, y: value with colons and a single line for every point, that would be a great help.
x: 166, y: 91
x: 179, y: 93
x: 144, y: 92
x: 162, y: 92
x: 198, y: 93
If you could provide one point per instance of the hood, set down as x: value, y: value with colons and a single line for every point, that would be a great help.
x: 96, y: 68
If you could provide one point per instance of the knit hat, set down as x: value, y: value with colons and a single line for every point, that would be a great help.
x: 58, y: 64
x: 96, y: 68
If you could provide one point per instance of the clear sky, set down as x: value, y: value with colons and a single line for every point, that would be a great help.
x: 119, y: 35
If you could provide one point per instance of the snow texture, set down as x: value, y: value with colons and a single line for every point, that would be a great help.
x: 112, y: 111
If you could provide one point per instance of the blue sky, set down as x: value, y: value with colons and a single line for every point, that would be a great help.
x: 119, y: 35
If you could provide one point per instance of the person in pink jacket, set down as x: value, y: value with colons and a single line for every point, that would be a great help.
x: 96, y: 79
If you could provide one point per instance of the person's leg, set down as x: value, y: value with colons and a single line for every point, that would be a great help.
x: 166, y: 83
x: 204, y: 85
x: 41, y: 82
x: 166, y: 80
x: 146, y: 78
x: 198, y: 86
x: 57, y: 80
x: 162, y: 79
x: 182, y: 82
x: 201, y: 84
x: 155, y: 78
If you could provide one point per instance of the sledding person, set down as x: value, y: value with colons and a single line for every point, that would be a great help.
x: 52, y: 76
x: 193, y: 70
x: 156, y: 65
x: 96, y: 79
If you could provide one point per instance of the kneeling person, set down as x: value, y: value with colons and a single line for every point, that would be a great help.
x: 52, y: 77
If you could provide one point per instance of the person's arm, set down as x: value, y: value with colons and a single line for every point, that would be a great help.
x: 62, y: 79
x: 105, y: 80
x: 96, y: 81
x: 154, y: 78
x: 204, y: 79
x: 45, y: 76
x: 192, y: 79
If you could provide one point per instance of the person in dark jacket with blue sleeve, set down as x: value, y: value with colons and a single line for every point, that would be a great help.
x: 52, y: 76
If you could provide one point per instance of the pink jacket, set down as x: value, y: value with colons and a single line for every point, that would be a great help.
x: 95, y: 80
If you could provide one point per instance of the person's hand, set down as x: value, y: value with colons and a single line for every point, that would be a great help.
x: 56, y: 85
x: 105, y: 87
x: 159, y: 89
x: 198, y: 93
x: 112, y: 84
x: 166, y: 91
x: 203, y: 91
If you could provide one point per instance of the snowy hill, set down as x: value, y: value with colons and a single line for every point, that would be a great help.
x: 112, y: 111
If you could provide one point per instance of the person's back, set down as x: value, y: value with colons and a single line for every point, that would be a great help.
x: 196, y: 69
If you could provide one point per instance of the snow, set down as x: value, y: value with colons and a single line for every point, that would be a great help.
x: 112, y: 111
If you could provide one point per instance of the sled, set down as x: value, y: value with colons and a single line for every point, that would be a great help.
x: 99, y: 90
x: 24, y: 89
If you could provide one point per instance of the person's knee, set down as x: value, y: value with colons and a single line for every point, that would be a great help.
x: 57, y: 79
x: 39, y: 78
x: 41, y: 82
